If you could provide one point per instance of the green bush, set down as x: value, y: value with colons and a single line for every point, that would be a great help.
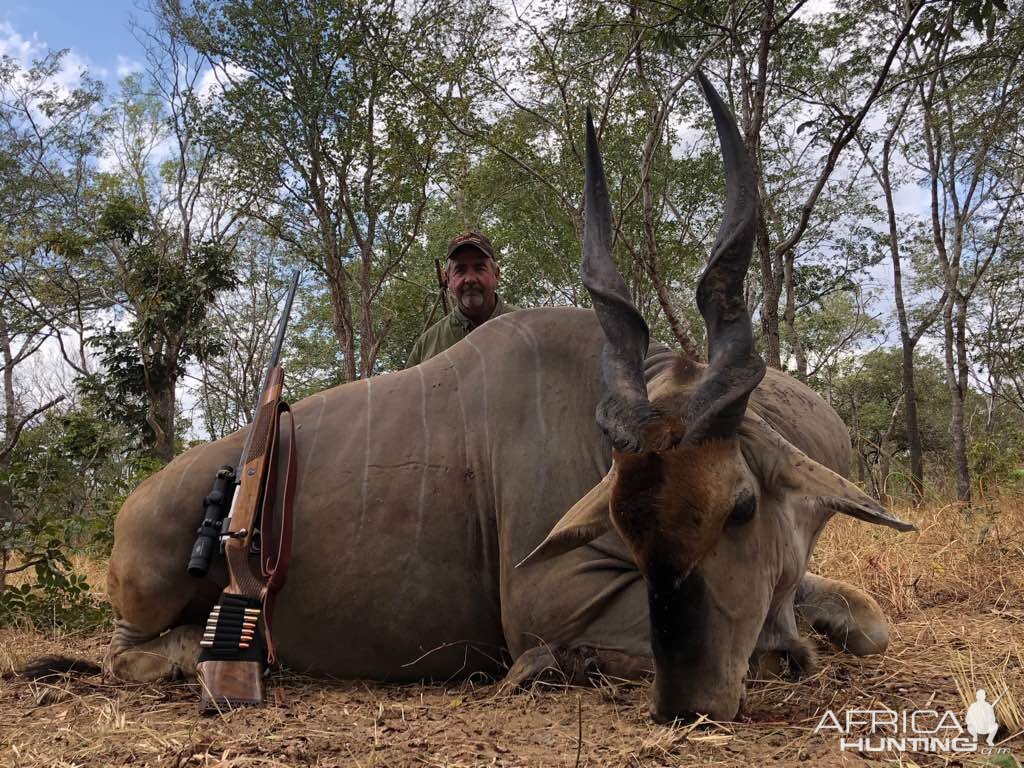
x: 64, y: 484
x: 58, y: 598
x: 997, y: 459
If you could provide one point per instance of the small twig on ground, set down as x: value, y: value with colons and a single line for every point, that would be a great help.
x: 579, y: 728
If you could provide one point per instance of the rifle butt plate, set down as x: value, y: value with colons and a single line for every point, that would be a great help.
x: 227, y: 685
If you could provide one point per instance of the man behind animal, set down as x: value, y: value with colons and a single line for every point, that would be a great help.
x: 473, y: 275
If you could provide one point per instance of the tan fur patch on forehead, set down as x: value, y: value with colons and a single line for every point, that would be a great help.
x: 686, y: 371
x: 670, y: 391
x: 704, y: 477
x: 660, y: 385
x: 676, y: 501
x: 678, y: 379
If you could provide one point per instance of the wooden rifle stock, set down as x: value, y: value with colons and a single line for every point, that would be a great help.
x: 252, y: 490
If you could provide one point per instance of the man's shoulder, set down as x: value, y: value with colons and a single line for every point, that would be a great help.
x: 504, y: 308
x: 443, y: 328
x: 436, y: 339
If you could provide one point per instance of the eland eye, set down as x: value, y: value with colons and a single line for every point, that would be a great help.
x: 743, y: 512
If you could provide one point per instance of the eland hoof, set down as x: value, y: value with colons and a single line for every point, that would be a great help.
x: 531, y: 666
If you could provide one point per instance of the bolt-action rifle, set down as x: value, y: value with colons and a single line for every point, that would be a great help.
x: 237, y: 643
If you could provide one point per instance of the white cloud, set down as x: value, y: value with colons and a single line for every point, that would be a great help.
x: 107, y: 162
x: 912, y: 199
x: 13, y: 44
x: 27, y: 50
x: 816, y: 8
x: 208, y: 83
x: 214, y: 78
x: 24, y: 50
x: 127, y: 66
x: 72, y: 68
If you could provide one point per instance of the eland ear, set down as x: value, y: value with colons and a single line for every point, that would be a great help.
x: 782, y: 465
x: 588, y: 519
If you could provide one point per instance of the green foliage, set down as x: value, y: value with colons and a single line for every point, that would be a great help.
x: 118, y: 393
x: 412, y: 299
x: 332, y: 138
x: 72, y: 468
x: 875, y: 387
x: 312, y: 358
x: 997, y: 458
x: 1003, y: 761
x: 169, y: 287
x: 981, y: 16
x: 68, y: 478
x: 122, y: 219
x: 57, y: 597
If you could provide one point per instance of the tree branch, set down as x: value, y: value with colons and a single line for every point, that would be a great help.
x: 12, y: 439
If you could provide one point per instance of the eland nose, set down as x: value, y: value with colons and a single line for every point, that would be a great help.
x: 662, y: 718
x: 721, y: 707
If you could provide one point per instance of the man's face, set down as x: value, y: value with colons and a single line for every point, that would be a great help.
x: 472, y: 280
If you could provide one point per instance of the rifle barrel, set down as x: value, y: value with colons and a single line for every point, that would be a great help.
x: 275, y: 356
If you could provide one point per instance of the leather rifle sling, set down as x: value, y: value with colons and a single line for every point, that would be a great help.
x: 274, y: 560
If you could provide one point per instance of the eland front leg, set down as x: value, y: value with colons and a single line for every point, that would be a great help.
x: 846, y: 615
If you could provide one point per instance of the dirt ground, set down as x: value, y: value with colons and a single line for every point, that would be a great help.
x: 954, y: 593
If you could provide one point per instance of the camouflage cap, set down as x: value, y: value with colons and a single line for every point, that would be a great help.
x: 471, y: 239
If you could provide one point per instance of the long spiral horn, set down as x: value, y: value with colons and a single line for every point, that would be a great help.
x: 624, y: 409
x: 717, y: 406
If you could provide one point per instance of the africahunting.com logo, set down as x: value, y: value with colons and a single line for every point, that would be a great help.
x: 917, y: 730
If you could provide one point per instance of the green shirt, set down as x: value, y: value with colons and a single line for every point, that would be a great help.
x: 449, y: 329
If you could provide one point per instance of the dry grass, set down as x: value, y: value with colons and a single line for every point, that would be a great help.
x: 954, y: 593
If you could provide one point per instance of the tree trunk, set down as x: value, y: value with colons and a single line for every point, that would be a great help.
x: 856, y: 440
x: 686, y: 344
x: 790, y: 316
x: 649, y: 249
x: 769, y: 298
x: 995, y: 386
x: 958, y: 436
x: 10, y: 423
x: 754, y: 86
x: 368, y: 343
x: 911, y: 424
x: 341, y: 324
x: 368, y: 240
x: 907, y: 341
x: 160, y: 417
x: 963, y: 387
x: 341, y: 302
x: 885, y: 454
x: 960, y: 169
x: 10, y: 405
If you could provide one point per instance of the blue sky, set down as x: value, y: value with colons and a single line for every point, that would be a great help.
x: 96, y: 32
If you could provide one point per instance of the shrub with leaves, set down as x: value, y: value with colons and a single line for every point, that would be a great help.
x: 68, y: 477
x: 57, y: 597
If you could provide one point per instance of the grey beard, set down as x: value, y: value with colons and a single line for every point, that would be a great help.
x: 472, y: 300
